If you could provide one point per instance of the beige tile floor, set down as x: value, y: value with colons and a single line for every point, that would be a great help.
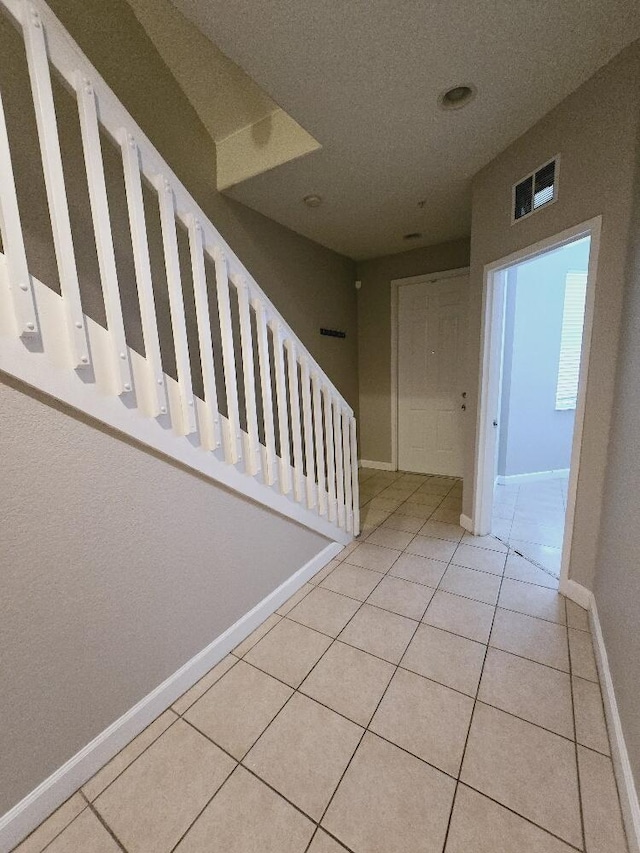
x: 425, y: 692
x: 530, y: 518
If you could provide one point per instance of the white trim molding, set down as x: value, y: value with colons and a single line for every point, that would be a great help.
x: 24, y: 817
x: 622, y: 766
x: 467, y: 523
x: 381, y: 466
x: 534, y: 476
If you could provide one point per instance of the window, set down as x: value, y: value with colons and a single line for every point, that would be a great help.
x: 536, y: 190
x: 571, y: 340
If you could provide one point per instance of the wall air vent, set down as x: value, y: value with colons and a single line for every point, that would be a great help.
x: 536, y: 190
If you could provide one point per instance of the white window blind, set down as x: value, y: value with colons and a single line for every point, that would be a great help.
x: 571, y: 340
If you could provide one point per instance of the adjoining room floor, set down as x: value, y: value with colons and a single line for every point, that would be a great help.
x: 530, y: 518
x: 425, y: 692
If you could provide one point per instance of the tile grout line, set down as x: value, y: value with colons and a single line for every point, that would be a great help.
x: 575, y: 739
x: 106, y: 826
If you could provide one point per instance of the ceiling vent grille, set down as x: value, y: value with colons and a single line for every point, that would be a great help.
x: 536, y: 190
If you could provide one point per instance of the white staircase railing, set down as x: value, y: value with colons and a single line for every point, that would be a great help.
x: 283, y: 435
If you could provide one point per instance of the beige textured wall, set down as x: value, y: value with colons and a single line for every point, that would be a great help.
x: 595, y: 131
x: 374, y: 335
x: 118, y: 567
x: 617, y: 581
x: 310, y: 285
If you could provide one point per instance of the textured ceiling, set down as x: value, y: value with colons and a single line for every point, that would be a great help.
x: 364, y: 79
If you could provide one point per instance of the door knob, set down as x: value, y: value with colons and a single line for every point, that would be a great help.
x: 463, y: 407
x: 495, y: 423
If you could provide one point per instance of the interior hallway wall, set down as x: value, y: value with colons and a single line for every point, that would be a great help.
x: 118, y: 567
x: 374, y: 334
x: 595, y: 130
x: 534, y: 435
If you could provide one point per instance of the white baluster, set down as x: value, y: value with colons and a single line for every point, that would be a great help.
x: 157, y: 390
x: 20, y: 285
x: 337, y: 440
x: 346, y: 453
x: 252, y: 461
x: 355, y: 484
x: 232, y: 446
x: 319, y: 442
x: 283, y: 416
x: 331, y: 463
x: 38, y: 63
x: 265, y: 386
x: 308, y: 433
x: 176, y: 304
x: 294, y: 399
x: 196, y: 249
x: 102, y: 230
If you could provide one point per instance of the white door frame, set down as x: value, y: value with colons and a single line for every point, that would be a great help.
x: 492, y: 345
x: 396, y: 284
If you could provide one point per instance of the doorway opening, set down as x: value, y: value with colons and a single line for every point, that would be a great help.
x: 536, y: 338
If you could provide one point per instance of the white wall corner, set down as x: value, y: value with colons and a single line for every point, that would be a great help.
x: 622, y: 766
x: 381, y: 466
x: 26, y: 815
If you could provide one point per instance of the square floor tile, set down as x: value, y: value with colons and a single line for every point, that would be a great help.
x: 84, y: 833
x: 418, y: 569
x: 446, y: 658
x: 533, y: 600
x: 325, y: 611
x: 200, y: 687
x: 583, y: 662
x: 349, y: 681
x: 471, y: 619
x: 373, y: 557
x: 241, y: 649
x: 389, y: 538
x: 436, y: 549
x: 390, y: 802
x: 236, y: 710
x: 449, y: 516
x: 481, y: 559
x: 296, y: 598
x: 324, y: 843
x: 440, y: 530
x: 317, y: 579
x: 415, y: 510
x: 603, y: 826
x: 304, y: 752
x: 435, y: 487
x: 536, y: 639
x: 478, y: 825
x: 425, y: 718
x: 123, y: 759
x: 544, y: 555
x: 488, y: 543
x: 481, y: 586
x: 529, y: 770
x: 577, y: 617
x: 383, y: 634
x: 246, y: 816
x: 401, y: 596
x: 529, y: 690
x: 406, y: 523
x: 352, y: 581
x: 591, y: 728
x: 520, y: 569
x: 289, y: 651
x: 156, y: 799
x: 53, y: 825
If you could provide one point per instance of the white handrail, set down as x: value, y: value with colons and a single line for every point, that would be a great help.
x: 315, y: 425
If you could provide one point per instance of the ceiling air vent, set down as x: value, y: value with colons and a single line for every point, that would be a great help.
x: 536, y: 190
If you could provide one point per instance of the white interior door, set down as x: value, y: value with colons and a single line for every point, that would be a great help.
x: 432, y: 317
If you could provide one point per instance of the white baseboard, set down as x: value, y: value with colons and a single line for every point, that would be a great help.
x: 381, y: 466
x: 621, y: 764
x: 467, y: 523
x: 514, y: 479
x: 24, y: 817
x: 576, y: 592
